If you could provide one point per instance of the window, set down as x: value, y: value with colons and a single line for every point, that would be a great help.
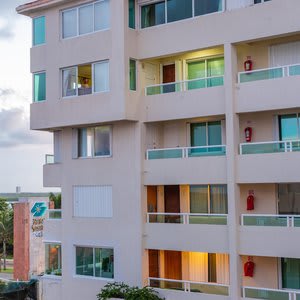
x: 92, y: 201
x: 132, y: 75
x: 260, y: 1
x: 289, y: 127
x: 204, y: 7
x: 96, y: 262
x: 206, y: 134
x: 174, y: 10
x: 213, y: 67
x: 289, y: 198
x: 85, y: 19
x: 38, y: 31
x: 94, y: 141
x: 85, y: 79
x: 290, y: 268
x: 53, y: 259
x: 131, y: 14
x: 208, y: 199
x: 39, y: 87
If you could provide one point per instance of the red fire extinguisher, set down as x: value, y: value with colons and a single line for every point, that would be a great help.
x: 248, y: 134
x: 250, y: 202
x: 249, y: 267
x: 248, y: 64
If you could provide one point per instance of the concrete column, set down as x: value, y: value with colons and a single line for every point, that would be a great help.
x: 232, y: 137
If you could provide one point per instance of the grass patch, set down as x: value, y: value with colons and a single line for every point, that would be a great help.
x: 8, y: 270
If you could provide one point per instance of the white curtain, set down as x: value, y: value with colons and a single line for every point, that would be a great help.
x: 222, y: 262
x: 285, y: 54
x: 198, y: 266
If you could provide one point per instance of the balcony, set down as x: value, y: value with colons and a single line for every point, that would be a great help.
x: 51, y: 172
x: 257, y: 234
x: 269, y: 294
x: 267, y: 162
x: 185, y: 152
x: 191, y: 289
x: 264, y: 89
x: 187, y: 96
x: 181, y: 165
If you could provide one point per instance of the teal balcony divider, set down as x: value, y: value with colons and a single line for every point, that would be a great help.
x: 280, y: 221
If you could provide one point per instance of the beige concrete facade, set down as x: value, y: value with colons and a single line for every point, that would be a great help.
x: 150, y: 148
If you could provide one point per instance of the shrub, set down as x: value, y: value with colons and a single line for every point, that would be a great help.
x: 123, y: 291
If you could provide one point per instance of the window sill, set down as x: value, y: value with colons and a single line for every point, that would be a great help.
x: 93, y: 157
x: 79, y: 96
x: 41, y: 101
x: 52, y: 277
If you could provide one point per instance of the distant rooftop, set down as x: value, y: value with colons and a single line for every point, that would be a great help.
x: 38, y: 4
x: 16, y: 196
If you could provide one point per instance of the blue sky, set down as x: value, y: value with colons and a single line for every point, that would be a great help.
x: 22, y: 151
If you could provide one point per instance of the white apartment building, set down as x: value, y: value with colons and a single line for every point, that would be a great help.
x: 176, y: 130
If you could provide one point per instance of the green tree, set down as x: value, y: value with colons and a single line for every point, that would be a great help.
x: 56, y: 199
x: 6, y: 227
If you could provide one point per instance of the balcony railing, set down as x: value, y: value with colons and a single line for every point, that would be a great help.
x: 49, y: 159
x: 189, y: 286
x: 269, y: 73
x: 54, y: 214
x: 187, y: 218
x: 270, y: 220
x: 270, y: 147
x: 186, y: 85
x: 269, y: 294
x: 186, y: 152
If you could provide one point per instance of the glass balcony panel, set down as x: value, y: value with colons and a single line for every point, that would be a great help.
x: 209, y: 220
x: 209, y: 289
x: 296, y: 221
x: 294, y: 70
x: 165, y: 153
x: 265, y: 221
x: 297, y: 296
x: 261, y: 75
x: 263, y: 148
x: 206, y: 151
x: 55, y: 214
x: 49, y: 159
x: 165, y: 284
x: 157, y: 218
x: 266, y: 294
x: 296, y: 146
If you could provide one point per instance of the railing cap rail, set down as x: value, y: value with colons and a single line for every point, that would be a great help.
x: 187, y: 281
x: 183, y: 81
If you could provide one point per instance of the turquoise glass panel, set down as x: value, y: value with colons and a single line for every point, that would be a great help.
x: 196, y: 70
x: 290, y: 273
x: 198, y: 134
x: 165, y: 284
x: 39, y: 31
x: 262, y: 148
x: 179, y: 10
x: 153, y: 14
x: 132, y: 75
x: 174, y: 219
x: 214, y: 133
x: 265, y: 221
x: 209, y: 220
x: 131, y: 14
x: 266, y: 294
x: 203, y: 7
x: 288, y: 126
x: 39, y: 87
x: 104, y: 263
x: 165, y: 153
x: 294, y: 70
x: 261, y: 75
x: 209, y: 289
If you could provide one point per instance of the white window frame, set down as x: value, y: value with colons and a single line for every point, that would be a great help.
x: 145, y: 3
x: 77, y: 25
x: 93, y: 143
x: 93, y: 247
x: 48, y: 242
x: 92, y: 77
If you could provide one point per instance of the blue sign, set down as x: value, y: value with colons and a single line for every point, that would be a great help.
x: 39, y: 209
